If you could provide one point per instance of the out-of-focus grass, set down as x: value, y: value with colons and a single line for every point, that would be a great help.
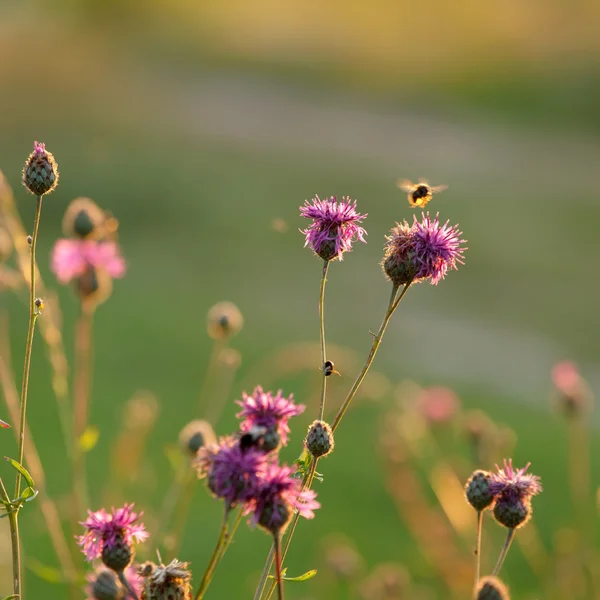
x: 196, y: 226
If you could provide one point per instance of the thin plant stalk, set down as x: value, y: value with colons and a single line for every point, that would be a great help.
x: 130, y: 591
x: 33, y: 314
x: 322, y: 338
x: 81, y: 405
x: 213, y: 410
x: 215, y: 558
x: 278, y: 577
x: 231, y: 533
x: 393, y: 304
x: 509, y: 538
x: 478, y: 547
x: 15, y: 540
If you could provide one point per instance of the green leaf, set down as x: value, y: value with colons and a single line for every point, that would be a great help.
x: 304, y: 577
x: 11, y: 597
x: 48, y: 574
x: 29, y: 494
x: 21, y: 470
x: 89, y: 438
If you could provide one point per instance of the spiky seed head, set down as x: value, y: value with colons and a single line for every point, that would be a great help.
x: 491, y: 588
x: 117, y: 556
x: 319, y: 439
x: 40, y: 173
x: 170, y: 582
x: 224, y: 320
x: 107, y: 587
x: 477, y: 490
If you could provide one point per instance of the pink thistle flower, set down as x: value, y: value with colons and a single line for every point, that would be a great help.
x: 103, y: 583
x: 73, y: 258
x: 263, y: 409
x: 438, y: 404
x: 107, y: 530
x: 233, y: 473
x: 573, y: 393
x: 279, y: 495
x: 514, y: 482
x: 334, y: 228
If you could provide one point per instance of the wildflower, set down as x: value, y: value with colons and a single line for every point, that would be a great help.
x: 111, y: 536
x: 491, y: 588
x: 196, y: 434
x: 513, y: 490
x: 423, y: 250
x: 334, y: 228
x: 224, y: 320
x: 104, y: 584
x: 84, y: 219
x: 573, y: 394
x: 278, y: 496
x: 233, y: 473
x: 171, y: 581
x: 438, y: 404
x: 477, y: 490
x: 263, y: 409
x: 40, y: 173
x: 74, y: 258
x: 319, y: 439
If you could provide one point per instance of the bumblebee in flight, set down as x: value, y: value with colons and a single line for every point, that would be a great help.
x: 419, y: 194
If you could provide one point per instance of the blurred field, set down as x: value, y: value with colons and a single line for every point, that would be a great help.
x: 199, y: 125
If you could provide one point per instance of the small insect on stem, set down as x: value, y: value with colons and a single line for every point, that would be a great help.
x: 329, y: 368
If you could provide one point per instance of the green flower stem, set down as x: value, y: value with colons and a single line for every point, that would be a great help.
x: 393, y: 304
x: 214, y: 559
x: 509, y: 538
x: 278, y: 578
x: 322, y: 332
x: 33, y: 313
x: 14, y: 538
x: 229, y: 535
x: 130, y: 591
x: 478, y: 547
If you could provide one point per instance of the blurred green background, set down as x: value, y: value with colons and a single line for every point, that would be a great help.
x: 203, y: 126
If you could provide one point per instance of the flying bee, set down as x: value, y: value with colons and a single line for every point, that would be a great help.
x: 419, y: 194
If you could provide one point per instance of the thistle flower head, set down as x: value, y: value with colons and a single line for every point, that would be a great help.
x: 574, y: 396
x: 278, y: 496
x: 109, y: 530
x: 104, y: 584
x: 195, y: 435
x: 514, y: 482
x: 424, y: 250
x: 491, y: 588
x: 477, y: 490
x: 233, y: 473
x: 74, y: 258
x: 84, y: 219
x: 319, y: 439
x: 334, y: 228
x: 224, y: 320
x: 40, y: 173
x: 264, y: 409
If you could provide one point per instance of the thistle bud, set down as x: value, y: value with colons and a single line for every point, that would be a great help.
x: 319, y: 439
x: 40, y: 173
x: 477, y: 490
x: 399, y: 260
x: 491, y: 588
x: 118, y: 555
x: 195, y: 435
x: 83, y: 219
x: 224, y: 321
x: 106, y: 587
x: 512, y: 511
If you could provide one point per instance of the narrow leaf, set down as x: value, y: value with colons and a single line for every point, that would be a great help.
x: 21, y: 470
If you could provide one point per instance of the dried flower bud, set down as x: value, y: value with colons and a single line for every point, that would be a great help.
x: 512, y: 511
x: 224, y: 321
x: 195, y: 435
x: 83, y: 218
x: 40, y: 173
x: 491, y: 588
x: 477, y: 490
x: 118, y: 555
x: 319, y: 439
x: 170, y: 582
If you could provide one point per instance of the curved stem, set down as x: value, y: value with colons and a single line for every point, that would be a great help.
x: 130, y: 591
x: 278, y: 578
x: 29, y: 345
x: 478, y: 547
x: 509, y: 538
x: 393, y: 304
x: 214, y: 559
x: 322, y: 338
